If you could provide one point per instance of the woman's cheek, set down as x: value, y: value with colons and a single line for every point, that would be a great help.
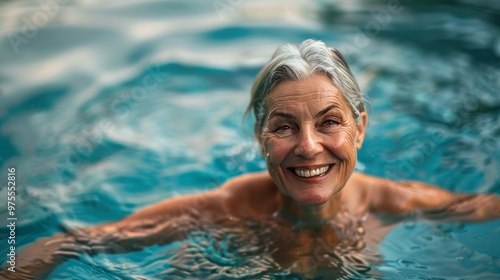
x: 343, y: 143
x: 274, y: 151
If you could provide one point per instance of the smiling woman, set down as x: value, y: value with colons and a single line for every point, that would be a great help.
x: 310, y: 123
x: 310, y: 140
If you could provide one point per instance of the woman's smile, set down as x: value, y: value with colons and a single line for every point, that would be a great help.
x: 310, y: 173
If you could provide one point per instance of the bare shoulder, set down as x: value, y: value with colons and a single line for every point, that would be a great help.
x: 356, y: 193
x: 371, y: 193
x: 259, y: 181
x: 237, y: 195
x: 395, y: 197
x: 250, y: 195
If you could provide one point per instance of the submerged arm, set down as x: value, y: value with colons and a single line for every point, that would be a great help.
x: 36, y: 261
x: 431, y: 201
x: 467, y: 207
x: 161, y: 223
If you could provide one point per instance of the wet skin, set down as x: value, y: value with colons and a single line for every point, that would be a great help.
x: 308, y: 126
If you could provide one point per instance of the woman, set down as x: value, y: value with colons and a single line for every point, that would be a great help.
x: 310, y: 122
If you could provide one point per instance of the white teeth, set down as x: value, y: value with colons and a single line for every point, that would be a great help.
x: 311, y: 173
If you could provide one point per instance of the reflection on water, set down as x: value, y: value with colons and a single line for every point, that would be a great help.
x: 108, y: 107
x: 272, y: 249
x: 241, y: 249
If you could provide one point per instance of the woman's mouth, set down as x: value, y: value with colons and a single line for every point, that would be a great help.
x: 311, y: 172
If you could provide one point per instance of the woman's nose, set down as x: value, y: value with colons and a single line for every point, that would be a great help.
x: 309, y: 143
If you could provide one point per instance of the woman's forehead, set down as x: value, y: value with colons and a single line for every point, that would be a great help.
x: 316, y: 91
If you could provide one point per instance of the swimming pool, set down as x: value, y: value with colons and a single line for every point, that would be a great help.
x: 108, y: 107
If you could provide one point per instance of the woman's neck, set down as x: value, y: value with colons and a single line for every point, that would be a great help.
x: 309, y: 215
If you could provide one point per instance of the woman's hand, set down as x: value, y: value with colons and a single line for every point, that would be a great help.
x: 478, y: 207
x: 36, y: 261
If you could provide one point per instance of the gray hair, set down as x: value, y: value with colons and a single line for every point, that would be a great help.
x: 292, y: 63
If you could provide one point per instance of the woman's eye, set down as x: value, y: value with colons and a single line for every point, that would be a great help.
x: 330, y: 122
x: 283, y: 128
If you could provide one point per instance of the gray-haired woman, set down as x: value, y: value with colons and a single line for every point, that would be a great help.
x: 310, y: 122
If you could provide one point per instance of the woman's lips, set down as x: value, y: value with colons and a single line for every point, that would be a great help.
x: 311, y: 172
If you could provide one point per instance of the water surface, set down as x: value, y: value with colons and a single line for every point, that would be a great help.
x: 93, y: 143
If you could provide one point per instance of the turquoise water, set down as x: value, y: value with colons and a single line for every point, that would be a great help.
x: 109, y: 107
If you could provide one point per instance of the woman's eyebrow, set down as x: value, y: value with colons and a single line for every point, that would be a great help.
x: 324, y: 111
x: 281, y: 114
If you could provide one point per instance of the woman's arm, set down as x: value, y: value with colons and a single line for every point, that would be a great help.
x: 467, y: 207
x: 36, y: 260
x: 161, y: 223
x: 432, y: 202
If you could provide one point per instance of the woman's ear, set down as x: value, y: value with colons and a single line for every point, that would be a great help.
x: 361, y: 127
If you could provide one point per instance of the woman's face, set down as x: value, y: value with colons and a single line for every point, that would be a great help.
x: 310, y: 139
